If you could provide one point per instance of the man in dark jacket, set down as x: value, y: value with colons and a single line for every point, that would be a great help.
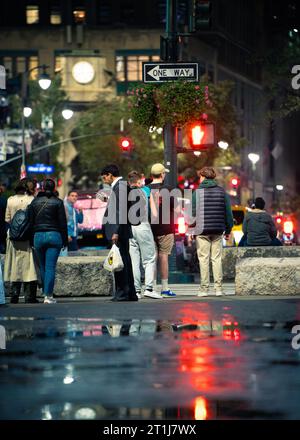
x: 258, y: 226
x: 212, y: 210
x: 118, y: 231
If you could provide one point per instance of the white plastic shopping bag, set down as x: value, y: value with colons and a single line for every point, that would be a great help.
x: 113, y: 262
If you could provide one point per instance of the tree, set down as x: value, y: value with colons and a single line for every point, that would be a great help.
x: 95, y: 152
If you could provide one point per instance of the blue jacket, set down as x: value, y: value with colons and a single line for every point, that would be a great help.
x: 73, y: 218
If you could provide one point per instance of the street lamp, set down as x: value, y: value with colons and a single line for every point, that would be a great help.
x: 44, y: 82
x: 27, y: 111
x: 67, y: 113
x: 279, y: 187
x: 254, y: 158
x: 223, y: 145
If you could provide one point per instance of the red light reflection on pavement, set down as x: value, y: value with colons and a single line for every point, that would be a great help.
x: 208, y: 354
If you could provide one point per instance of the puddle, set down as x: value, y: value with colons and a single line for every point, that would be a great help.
x: 200, y: 366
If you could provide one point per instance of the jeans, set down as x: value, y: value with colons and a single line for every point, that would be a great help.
x: 142, y: 246
x: 48, y: 246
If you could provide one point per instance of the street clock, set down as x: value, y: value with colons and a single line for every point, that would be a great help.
x: 83, y: 72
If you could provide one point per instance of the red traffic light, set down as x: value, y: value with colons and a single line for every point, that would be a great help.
x: 125, y: 144
x: 201, y: 135
x: 234, y: 181
x: 197, y: 134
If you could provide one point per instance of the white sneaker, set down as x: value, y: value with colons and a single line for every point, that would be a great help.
x: 219, y: 293
x: 139, y: 295
x: 152, y: 294
x: 49, y: 300
x: 202, y: 294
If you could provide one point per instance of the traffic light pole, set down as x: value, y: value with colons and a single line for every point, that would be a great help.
x: 170, y: 132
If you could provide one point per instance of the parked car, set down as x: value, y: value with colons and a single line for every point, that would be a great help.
x: 91, y: 231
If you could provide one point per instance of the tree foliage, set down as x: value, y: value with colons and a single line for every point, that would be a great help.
x: 104, y: 117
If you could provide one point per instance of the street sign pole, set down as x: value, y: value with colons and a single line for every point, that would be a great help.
x: 170, y: 153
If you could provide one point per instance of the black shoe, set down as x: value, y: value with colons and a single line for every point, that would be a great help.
x: 31, y: 301
x: 120, y: 299
x: 135, y: 298
x: 14, y: 299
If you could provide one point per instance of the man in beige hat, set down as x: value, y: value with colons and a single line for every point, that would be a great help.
x: 163, y: 232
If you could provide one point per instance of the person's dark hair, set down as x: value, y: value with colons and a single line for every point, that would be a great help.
x: 148, y: 180
x: 21, y: 187
x: 111, y: 169
x: 48, y: 187
x: 133, y: 177
x: 156, y: 176
x: 72, y: 191
x: 259, y: 203
x: 31, y: 186
x: 208, y: 173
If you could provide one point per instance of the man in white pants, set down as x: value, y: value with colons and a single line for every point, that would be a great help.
x: 142, y: 246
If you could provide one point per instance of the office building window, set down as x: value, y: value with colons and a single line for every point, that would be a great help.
x: 14, y: 65
x: 55, y: 15
x: 129, y: 67
x: 33, y: 62
x: 105, y: 12
x: 79, y: 15
x: 32, y: 14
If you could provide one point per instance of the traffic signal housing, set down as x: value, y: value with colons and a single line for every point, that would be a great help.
x: 199, y: 14
x: 201, y: 135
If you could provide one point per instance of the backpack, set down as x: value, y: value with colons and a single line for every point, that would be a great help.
x: 20, y: 227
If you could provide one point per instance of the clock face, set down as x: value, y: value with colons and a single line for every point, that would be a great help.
x: 83, y: 72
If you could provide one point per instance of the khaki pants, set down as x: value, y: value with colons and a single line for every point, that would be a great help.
x: 209, y: 247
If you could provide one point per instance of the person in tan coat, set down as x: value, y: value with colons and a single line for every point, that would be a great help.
x: 19, y: 264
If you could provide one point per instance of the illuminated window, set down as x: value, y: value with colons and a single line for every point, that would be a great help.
x: 58, y: 64
x: 8, y: 64
x: 20, y: 64
x: 55, y: 16
x: 32, y: 63
x: 79, y: 16
x: 15, y: 65
x: 129, y: 68
x: 32, y: 14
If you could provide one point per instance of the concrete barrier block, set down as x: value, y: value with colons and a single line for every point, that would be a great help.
x: 79, y: 276
x: 268, y: 276
x: 232, y: 255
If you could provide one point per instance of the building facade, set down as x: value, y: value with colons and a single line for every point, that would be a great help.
x: 98, y: 47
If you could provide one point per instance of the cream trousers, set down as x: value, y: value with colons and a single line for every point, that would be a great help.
x: 209, y: 248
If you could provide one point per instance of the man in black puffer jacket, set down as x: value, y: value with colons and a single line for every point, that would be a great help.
x: 48, y: 219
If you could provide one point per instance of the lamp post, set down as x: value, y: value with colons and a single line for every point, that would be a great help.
x: 44, y: 82
x: 254, y: 158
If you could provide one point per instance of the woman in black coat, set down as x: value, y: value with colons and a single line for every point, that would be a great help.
x: 49, y: 223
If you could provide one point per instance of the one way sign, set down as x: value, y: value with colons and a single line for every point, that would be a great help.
x: 161, y: 72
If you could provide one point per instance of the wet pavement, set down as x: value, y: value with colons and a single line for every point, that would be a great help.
x: 221, y: 358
